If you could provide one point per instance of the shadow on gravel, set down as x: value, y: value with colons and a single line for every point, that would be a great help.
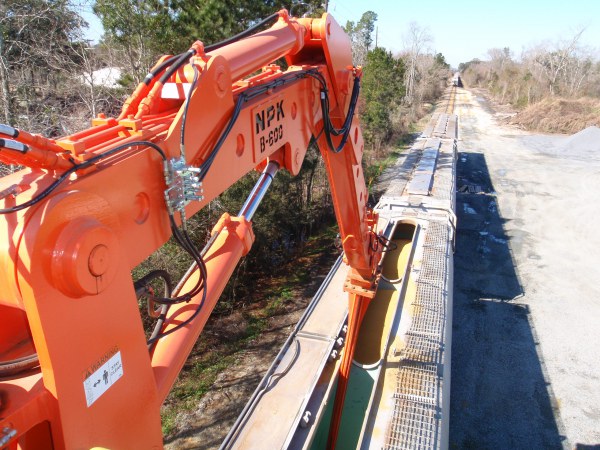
x: 500, y: 397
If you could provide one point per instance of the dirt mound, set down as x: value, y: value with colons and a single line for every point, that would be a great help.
x: 582, y: 146
x: 559, y: 115
x: 585, y: 143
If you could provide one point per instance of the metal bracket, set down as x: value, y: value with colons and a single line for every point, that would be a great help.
x: 183, y: 184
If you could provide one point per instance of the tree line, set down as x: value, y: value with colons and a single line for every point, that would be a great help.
x: 563, y: 68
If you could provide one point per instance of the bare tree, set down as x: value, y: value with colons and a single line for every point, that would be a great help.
x: 417, y: 41
x: 577, y: 71
x: 35, y: 56
x: 553, y: 64
x: 4, y: 82
x: 15, y: 19
x: 95, y: 78
x: 499, y: 57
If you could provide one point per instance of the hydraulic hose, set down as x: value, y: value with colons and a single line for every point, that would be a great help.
x: 9, y: 368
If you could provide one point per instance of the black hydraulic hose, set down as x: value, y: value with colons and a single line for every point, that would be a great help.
x: 164, y: 309
x: 186, y: 243
x: 180, y: 61
x: 42, y: 195
x: 243, y: 97
x: 185, y: 110
x: 353, y: 101
x: 158, y: 69
x: 148, y: 278
x: 345, y: 129
x: 189, y: 247
x: 204, y: 168
x: 241, y: 35
x: 151, y: 276
x: 156, y: 333
x: 177, y: 61
x: 328, y: 127
x: 159, y: 335
x: 9, y: 368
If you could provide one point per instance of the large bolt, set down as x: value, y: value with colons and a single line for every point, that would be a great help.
x: 99, y: 260
x: 305, y: 421
x: 333, y: 355
x: 84, y: 258
x: 221, y: 81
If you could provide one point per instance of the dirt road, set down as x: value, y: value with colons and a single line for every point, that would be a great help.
x: 526, y: 333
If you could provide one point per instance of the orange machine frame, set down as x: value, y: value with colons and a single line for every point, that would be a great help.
x: 66, y: 290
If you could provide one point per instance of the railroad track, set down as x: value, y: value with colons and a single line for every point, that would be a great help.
x: 451, y: 101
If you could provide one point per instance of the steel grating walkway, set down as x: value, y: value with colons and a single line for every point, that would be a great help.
x: 418, y: 398
x: 417, y: 417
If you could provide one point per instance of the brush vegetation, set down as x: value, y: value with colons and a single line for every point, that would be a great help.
x: 554, y: 86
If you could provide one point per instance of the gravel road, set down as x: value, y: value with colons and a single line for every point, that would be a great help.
x: 526, y: 333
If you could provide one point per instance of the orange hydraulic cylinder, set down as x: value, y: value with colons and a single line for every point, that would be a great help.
x: 233, y: 241
x: 249, y: 55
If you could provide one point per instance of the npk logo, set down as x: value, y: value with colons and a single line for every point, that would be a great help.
x: 268, y: 126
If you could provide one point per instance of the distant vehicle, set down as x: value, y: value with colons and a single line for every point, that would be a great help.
x: 456, y: 81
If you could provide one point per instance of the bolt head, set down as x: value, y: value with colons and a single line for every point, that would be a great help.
x: 99, y: 260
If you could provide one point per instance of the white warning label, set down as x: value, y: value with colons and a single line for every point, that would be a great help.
x: 98, y: 382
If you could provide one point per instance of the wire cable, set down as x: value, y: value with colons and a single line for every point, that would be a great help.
x: 394, y: 281
x: 330, y: 130
x: 42, y: 195
x: 183, y: 239
x: 387, y: 244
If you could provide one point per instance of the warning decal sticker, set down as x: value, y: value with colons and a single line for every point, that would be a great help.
x: 105, y: 373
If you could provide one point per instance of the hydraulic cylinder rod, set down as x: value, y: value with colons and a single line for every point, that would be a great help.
x: 259, y: 191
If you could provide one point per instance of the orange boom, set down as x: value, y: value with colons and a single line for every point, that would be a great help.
x: 76, y: 369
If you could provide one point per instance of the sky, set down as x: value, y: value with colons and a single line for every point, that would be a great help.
x: 465, y: 29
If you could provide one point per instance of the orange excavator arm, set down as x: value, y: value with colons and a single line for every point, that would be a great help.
x: 76, y: 369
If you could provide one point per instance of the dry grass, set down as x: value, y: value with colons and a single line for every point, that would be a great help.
x: 559, y: 115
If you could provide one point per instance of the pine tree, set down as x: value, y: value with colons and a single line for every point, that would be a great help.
x: 382, y: 91
x: 361, y: 36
